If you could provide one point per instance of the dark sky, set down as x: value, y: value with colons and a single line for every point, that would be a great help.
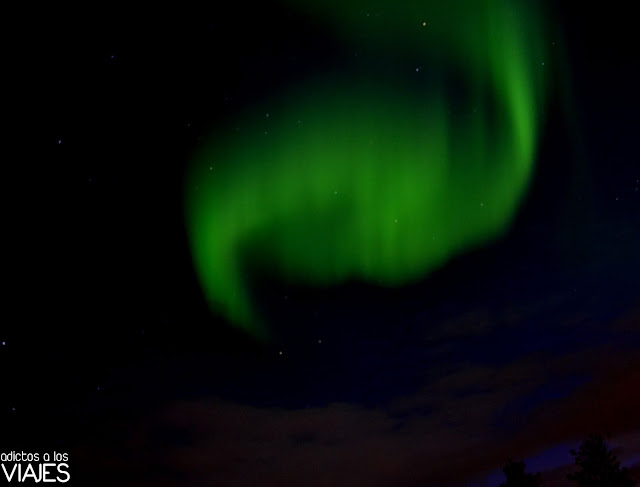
x: 110, y: 353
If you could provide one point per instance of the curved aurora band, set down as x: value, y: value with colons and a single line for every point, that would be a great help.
x: 372, y: 176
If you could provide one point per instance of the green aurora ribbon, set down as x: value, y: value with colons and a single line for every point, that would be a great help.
x: 376, y: 174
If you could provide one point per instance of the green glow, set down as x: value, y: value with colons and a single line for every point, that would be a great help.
x: 374, y: 177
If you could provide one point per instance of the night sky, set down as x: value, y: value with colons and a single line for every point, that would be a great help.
x: 396, y: 367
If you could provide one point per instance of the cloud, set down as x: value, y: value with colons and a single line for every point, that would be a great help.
x: 458, y: 428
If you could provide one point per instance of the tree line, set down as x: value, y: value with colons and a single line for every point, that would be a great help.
x: 596, y: 466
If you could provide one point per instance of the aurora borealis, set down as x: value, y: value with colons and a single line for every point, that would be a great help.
x: 373, y: 173
x: 303, y: 243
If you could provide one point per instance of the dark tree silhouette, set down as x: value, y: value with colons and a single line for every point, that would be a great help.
x: 598, y: 466
x: 516, y: 477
